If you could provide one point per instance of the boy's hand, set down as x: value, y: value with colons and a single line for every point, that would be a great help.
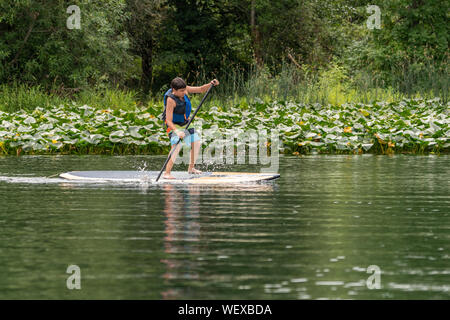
x: 180, y: 134
x: 215, y: 82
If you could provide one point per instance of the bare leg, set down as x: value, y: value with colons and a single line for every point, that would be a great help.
x: 171, y: 162
x: 195, y: 147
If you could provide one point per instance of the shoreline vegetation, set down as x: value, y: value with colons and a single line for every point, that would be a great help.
x: 117, y: 122
x: 331, y: 76
x: 326, y: 112
x: 335, y: 85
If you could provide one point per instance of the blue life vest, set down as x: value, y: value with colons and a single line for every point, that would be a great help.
x: 178, y: 118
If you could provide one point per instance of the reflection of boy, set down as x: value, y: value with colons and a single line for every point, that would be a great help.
x: 176, y: 115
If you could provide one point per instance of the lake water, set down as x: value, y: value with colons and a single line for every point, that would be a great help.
x: 311, y: 234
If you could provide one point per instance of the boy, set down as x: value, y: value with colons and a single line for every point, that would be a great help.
x: 177, y: 108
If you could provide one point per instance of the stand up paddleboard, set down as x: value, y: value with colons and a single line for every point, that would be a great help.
x: 180, y: 177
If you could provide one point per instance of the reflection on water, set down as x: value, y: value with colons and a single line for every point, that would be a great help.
x: 310, y: 234
x: 182, y: 231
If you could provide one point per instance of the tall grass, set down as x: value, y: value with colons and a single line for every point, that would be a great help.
x: 15, y: 97
x: 238, y: 85
x: 334, y: 85
x: 108, y: 98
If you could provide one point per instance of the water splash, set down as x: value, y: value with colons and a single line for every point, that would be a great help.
x: 22, y: 179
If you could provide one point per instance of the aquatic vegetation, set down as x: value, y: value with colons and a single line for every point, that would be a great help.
x: 75, y: 129
x: 414, y: 125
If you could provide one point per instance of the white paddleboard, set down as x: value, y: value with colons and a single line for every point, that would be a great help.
x: 181, y: 177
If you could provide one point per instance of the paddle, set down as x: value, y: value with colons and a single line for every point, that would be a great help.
x: 187, y: 126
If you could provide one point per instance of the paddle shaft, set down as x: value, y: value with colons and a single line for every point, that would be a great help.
x: 187, y: 126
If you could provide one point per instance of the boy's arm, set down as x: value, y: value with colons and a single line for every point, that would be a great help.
x: 203, y: 88
x: 169, y: 114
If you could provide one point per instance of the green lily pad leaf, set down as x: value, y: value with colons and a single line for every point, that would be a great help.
x: 8, y: 125
x: 29, y: 120
x: 139, y: 142
x: 134, y: 132
x: 38, y: 146
x: 310, y: 135
x: 118, y: 133
x: 27, y: 146
x: 45, y: 126
x: 70, y: 141
x: 342, y: 146
x: 367, y: 146
x: 27, y: 137
x: 24, y: 129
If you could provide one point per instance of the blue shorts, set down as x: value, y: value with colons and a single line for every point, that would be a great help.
x: 188, y: 138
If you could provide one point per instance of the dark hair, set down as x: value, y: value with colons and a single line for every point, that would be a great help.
x: 178, y: 83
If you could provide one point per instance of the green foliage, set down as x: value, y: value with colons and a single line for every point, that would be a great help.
x: 21, y: 97
x: 418, y: 27
x: 412, y: 125
x: 409, y: 52
x: 291, y: 26
x: 144, y: 25
x: 313, y: 51
x: 108, y: 99
x: 37, y: 47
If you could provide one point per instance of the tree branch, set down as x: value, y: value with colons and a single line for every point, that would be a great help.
x: 293, y: 60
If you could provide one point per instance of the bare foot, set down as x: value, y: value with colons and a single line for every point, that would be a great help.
x: 194, y: 171
x: 168, y: 176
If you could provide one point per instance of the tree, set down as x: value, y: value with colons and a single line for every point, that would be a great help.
x: 203, y: 29
x: 37, y: 47
x: 144, y: 24
x: 296, y: 27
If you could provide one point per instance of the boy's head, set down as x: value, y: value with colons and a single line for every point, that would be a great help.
x: 178, y: 87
